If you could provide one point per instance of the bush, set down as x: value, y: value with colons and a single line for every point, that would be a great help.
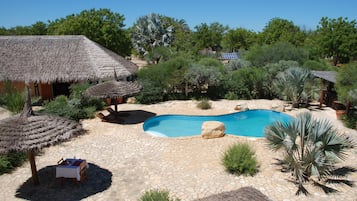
x: 240, y: 159
x: 350, y: 120
x: 204, y: 104
x: 157, y: 195
x: 12, y: 99
x: 231, y: 96
x: 77, y: 107
x: 10, y: 161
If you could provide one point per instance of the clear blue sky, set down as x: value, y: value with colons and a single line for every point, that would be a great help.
x: 249, y: 14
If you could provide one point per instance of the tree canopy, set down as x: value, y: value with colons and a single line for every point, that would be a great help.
x: 337, y: 38
x: 102, y: 26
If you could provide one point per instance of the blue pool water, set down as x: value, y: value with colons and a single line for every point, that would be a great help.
x: 249, y: 123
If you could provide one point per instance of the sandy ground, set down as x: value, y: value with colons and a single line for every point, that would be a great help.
x: 125, y: 161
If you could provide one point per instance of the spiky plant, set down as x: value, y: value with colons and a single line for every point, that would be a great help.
x: 312, y: 147
x: 292, y: 84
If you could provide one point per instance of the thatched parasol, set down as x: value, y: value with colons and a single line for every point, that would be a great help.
x: 114, y: 89
x: 242, y: 194
x: 30, y: 132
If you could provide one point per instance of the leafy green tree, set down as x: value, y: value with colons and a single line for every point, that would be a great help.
x: 102, y: 26
x: 200, y: 77
x: 39, y: 28
x: 292, y: 84
x: 337, y: 38
x: 282, y: 30
x: 209, y: 36
x: 238, y: 39
x: 245, y: 83
x: 163, y: 80
x: 262, y: 55
x: 151, y: 31
x: 311, y: 147
x: 346, y: 85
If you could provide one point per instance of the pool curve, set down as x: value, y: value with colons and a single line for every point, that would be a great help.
x: 250, y: 123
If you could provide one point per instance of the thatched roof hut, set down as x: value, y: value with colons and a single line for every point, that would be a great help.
x: 49, y: 59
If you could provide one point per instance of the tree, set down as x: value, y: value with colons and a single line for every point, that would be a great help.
x: 209, y: 36
x: 282, y: 30
x: 238, y: 39
x: 337, y: 38
x: 311, y: 147
x: 346, y: 83
x: 151, y: 31
x: 102, y: 26
x: 263, y: 55
x: 200, y: 77
x: 292, y: 84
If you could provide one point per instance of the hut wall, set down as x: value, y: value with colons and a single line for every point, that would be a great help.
x: 45, y: 91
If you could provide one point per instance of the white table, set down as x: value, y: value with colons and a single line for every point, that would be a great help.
x: 70, y: 168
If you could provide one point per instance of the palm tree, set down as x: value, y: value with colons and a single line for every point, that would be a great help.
x: 292, y: 84
x: 311, y: 147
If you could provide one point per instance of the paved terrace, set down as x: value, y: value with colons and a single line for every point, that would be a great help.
x: 124, y: 162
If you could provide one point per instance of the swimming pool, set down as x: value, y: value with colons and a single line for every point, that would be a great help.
x: 249, y: 123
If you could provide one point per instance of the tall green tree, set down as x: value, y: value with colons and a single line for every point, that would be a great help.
x: 311, y: 148
x: 347, y: 83
x: 337, y: 38
x: 209, y: 36
x: 238, y: 39
x: 102, y: 26
x: 282, y: 30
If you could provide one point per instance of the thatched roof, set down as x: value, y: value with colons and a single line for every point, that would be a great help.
x: 326, y: 75
x: 242, y: 194
x: 113, y: 89
x: 58, y: 58
x: 35, y: 132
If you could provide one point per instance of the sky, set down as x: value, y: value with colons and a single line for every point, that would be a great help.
x: 249, y: 14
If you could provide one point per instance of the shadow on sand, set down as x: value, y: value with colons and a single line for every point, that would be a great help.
x: 50, y: 188
x: 128, y: 117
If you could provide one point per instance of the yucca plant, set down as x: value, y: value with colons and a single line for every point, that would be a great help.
x: 312, y: 147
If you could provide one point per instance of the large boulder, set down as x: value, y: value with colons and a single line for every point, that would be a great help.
x: 212, y: 129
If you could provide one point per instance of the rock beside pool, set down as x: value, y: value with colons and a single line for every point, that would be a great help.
x: 212, y: 129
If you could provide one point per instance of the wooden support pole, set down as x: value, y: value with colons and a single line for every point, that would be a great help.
x: 35, y: 179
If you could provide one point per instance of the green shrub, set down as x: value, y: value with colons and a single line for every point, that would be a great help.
x: 231, y: 96
x: 350, y: 120
x: 157, y: 195
x: 204, y: 104
x: 12, y: 99
x: 240, y: 159
x: 77, y: 107
x: 10, y: 161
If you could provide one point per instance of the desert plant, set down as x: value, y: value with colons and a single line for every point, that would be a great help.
x: 204, y: 104
x: 240, y: 159
x: 292, y: 84
x: 312, y: 148
x: 157, y: 195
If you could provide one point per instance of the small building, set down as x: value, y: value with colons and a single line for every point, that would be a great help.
x: 328, y: 94
x: 49, y: 64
